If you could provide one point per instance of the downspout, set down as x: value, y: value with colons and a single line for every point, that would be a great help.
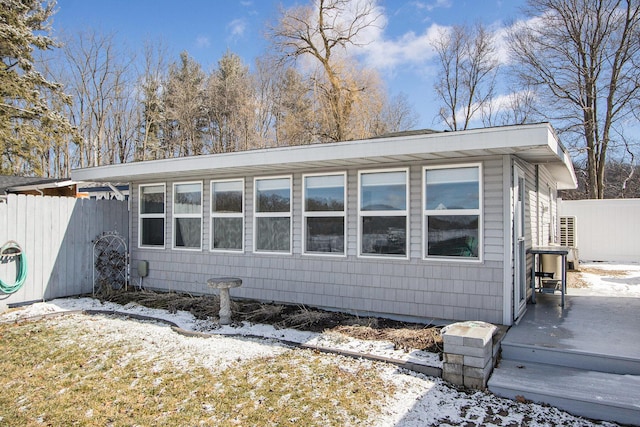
x: 507, y: 230
x: 538, y: 205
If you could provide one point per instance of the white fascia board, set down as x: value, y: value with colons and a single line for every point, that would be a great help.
x: 520, y: 138
x: 562, y: 171
x: 41, y: 186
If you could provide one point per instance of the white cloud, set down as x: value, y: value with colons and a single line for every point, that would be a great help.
x: 237, y: 27
x: 203, y: 41
x: 501, y: 33
x: 437, y: 4
x: 409, y: 48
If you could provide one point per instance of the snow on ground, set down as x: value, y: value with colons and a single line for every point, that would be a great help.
x: 610, y: 286
x: 419, y: 401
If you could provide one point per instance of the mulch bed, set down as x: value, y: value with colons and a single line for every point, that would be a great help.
x: 405, y: 336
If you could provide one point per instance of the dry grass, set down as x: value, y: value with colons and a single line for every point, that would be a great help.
x: 402, y: 338
x: 53, y: 373
x: 305, y: 317
x: 604, y: 272
x: 575, y: 280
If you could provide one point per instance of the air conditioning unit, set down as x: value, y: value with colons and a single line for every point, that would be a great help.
x: 568, y: 238
x: 568, y: 231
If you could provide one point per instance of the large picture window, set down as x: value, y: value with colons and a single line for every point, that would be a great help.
x: 382, y: 211
x: 227, y: 215
x: 151, y: 215
x: 187, y: 215
x: 272, y: 214
x: 452, y: 212
x: 324, y: 214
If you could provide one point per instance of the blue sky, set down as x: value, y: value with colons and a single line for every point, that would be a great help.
x: 207, y: 28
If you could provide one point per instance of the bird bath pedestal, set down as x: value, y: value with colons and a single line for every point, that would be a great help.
x: 224, y: 283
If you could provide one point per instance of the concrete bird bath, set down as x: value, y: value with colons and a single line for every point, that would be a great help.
x: 224, y: 284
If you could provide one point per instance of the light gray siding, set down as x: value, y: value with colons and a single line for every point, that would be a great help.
x: 56, y: 234
x: 540, y: 209
x: 403, y: 288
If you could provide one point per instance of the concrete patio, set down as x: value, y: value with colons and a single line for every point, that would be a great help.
x: 584, y: 358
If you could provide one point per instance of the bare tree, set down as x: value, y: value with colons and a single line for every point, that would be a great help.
x: 266, y: 76
x: 322, y: 32
x: 468, y: 68
x: 397, y: 115
x: 582, y: 57
x: 515, y: 108
x: 98, y: 80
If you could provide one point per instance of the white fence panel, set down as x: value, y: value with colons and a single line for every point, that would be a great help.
x: 606, y: 230
x: 56, y: 235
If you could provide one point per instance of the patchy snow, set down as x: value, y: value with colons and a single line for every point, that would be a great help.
x: 610, y: 286
x: 419, y: 400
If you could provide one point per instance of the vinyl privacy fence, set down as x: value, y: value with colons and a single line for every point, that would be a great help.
x: 56, y: 234
x: 605, y: 230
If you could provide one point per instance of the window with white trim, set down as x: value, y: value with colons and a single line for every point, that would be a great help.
x: 272, y: 207
x: 227, y: 215
x: 151, y: 208
x: 452, y: 212
x: 187, y: 215
x: 323, y: 213
x: 383, y: 212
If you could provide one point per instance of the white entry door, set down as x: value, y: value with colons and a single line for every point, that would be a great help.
x: 519, y: 243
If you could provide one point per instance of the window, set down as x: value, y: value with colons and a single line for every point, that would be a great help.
x: 452, y: 214
x: 227, y: 215
x: 382, y: 211
x: 324, y: 214
x: 151, y: 215
x: 272, y: 215
x: 187, y: 215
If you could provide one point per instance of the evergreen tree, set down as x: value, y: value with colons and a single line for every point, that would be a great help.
x: 27, y: 121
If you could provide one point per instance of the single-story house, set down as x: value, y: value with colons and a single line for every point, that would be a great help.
x: 419, y: 225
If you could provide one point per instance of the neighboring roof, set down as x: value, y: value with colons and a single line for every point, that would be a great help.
x: 407, y: 133
x: 42, y: 184
x: 536, y: 144
x: 97, y: 187
x: 10, y: 183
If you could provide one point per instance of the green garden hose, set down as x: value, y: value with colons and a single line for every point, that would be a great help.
x: 13, y: 249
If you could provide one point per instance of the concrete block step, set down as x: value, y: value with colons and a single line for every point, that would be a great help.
x: 571, y: 358
x: 596, y: 395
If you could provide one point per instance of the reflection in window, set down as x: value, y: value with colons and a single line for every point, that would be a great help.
x: 452, y: 188
x: 452, y: 212
x: 187, y: 215
x: 151, y: 215
x: 383, y: 191
x: 454, y: 235
x: 273, y: 195
x: 383, y: 213
x: 324, y: 213
x: 227, y: 215
x: 272, y: 215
